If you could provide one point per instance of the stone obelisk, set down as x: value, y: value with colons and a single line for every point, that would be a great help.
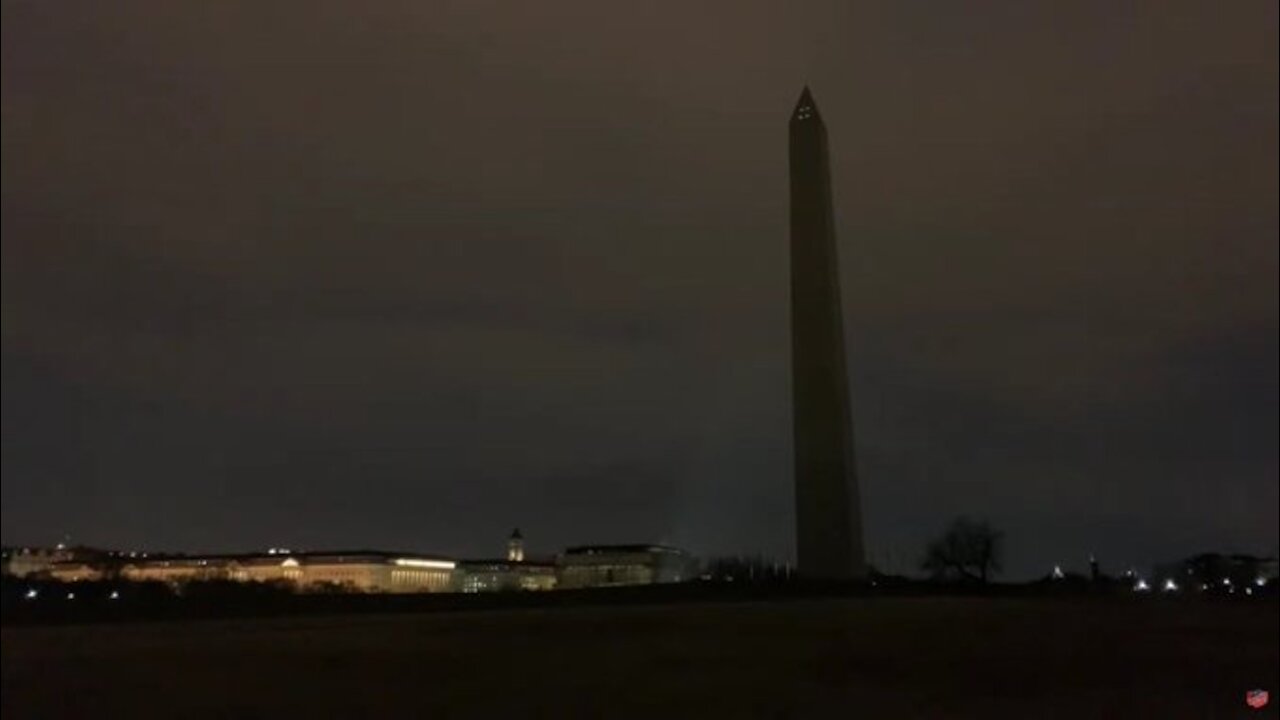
x: 829, y: 543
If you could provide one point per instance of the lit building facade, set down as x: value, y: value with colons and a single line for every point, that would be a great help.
x: 475, y: 576
x: 514, y: 574
x: 367, y: 571
x: 515, y: 547
x: 353, y: 571
x: 21, y: 562
x: 74, y: 571
x: 618, y: 565
x: 67, y: 561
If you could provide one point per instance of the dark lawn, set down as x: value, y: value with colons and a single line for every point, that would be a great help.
x: 881, y: 657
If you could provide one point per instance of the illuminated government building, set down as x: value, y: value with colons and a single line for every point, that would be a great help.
x: 513, y: 573
x: 355, y: 571
x: 614, y: 565
x: 370, y: 571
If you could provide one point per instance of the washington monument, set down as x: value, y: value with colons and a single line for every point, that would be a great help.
x: 828, y: 507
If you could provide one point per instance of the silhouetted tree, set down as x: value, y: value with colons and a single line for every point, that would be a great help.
x: 968, y: 550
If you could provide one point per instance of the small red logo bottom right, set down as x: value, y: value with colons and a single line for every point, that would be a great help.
x: 1256, y: 699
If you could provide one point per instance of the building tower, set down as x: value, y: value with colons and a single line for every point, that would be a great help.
x: 515, y: 546
x: 829, y: 541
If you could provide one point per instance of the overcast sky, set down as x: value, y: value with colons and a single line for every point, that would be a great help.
x: 410, y: 274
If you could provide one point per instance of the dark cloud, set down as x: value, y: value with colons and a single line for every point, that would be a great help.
x: 408, y: 275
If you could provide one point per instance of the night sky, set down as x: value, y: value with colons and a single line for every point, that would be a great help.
x: 409, y: 274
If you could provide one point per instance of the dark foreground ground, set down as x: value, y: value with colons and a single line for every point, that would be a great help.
x: 869, y: 657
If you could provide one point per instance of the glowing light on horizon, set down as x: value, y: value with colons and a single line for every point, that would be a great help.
x: 415, y: 562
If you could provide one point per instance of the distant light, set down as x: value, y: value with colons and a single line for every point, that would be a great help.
x: 415, y: 562
x: 115, y: 595
x: 1057, y: 572
x: 1170, y: 585
x: 71, y: 596
x: 1248, y: 591
x: 1259, y: 581
x: 32, y: 594
x: 1226, y: 581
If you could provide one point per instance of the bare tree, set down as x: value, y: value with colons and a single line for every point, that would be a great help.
x: 968, y: 550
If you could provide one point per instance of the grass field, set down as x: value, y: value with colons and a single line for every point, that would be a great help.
x: 870, y: 657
